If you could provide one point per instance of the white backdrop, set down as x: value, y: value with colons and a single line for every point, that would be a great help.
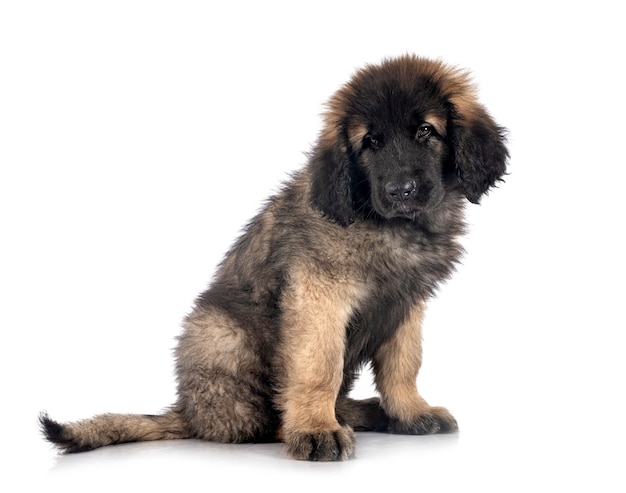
x: 138, y: 137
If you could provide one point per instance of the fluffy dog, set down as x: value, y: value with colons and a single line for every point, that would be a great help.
x: 332, y: 275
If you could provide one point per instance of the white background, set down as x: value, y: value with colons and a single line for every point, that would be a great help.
x: 138, y: 137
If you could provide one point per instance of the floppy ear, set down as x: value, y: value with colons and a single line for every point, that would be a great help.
x: 331, y: 180
x: 479, y: 151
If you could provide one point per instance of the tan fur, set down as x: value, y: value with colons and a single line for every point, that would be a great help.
x: 396, y: 365
x: 438, y: 122
x: 333, y: 117
x: 227, y: 349
x: 457, y: 86
x: 108, y: 429
x: 316, y: 312
x: 356, y: 132
x: 214, y: 355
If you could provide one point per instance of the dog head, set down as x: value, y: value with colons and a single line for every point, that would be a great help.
x: 399, y: 138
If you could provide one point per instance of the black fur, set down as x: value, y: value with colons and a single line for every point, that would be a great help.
x: 335, y: 183
x: 480, y: 154
x: 55, y: 433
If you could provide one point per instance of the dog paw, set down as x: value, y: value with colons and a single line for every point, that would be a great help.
x: 433, y: 420
x: 328, y: 445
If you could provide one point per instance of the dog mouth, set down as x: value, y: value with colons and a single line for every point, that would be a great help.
x: 408, y: 212
x: 403, y: 210
x: 411, y: 210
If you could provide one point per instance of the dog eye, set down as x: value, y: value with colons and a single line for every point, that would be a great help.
x: 424, y: 131
x: 372, y: 142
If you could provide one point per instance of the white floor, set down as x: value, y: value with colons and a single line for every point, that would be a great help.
x: 503, y: 458
x: 503, y: 445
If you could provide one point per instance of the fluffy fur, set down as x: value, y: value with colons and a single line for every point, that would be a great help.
x: 332, y: 275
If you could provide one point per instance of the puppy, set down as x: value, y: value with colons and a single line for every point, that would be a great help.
x: 332, y: 275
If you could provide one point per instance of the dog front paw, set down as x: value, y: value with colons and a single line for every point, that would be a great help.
x: 432, y: 420
x: 328, y: 445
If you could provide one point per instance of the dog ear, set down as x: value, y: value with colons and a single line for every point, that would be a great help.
x: 479, y: 151
x: 331, y: 180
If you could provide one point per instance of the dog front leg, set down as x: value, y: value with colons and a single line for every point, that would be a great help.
x: 313, y: 332
x: 396, y: 365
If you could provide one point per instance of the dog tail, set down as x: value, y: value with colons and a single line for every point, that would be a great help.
x: 107, y: 429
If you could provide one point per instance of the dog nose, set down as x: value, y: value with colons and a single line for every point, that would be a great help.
x: 400, y: 191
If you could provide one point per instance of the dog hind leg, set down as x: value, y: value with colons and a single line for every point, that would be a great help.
x: 223, y: 386
x: 362, y: 415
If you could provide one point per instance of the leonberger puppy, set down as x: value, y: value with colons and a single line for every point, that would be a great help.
x: 332, y: 275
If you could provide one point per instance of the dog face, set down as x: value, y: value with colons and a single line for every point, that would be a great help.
x: 399, y: 138
x: 404, y: 156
